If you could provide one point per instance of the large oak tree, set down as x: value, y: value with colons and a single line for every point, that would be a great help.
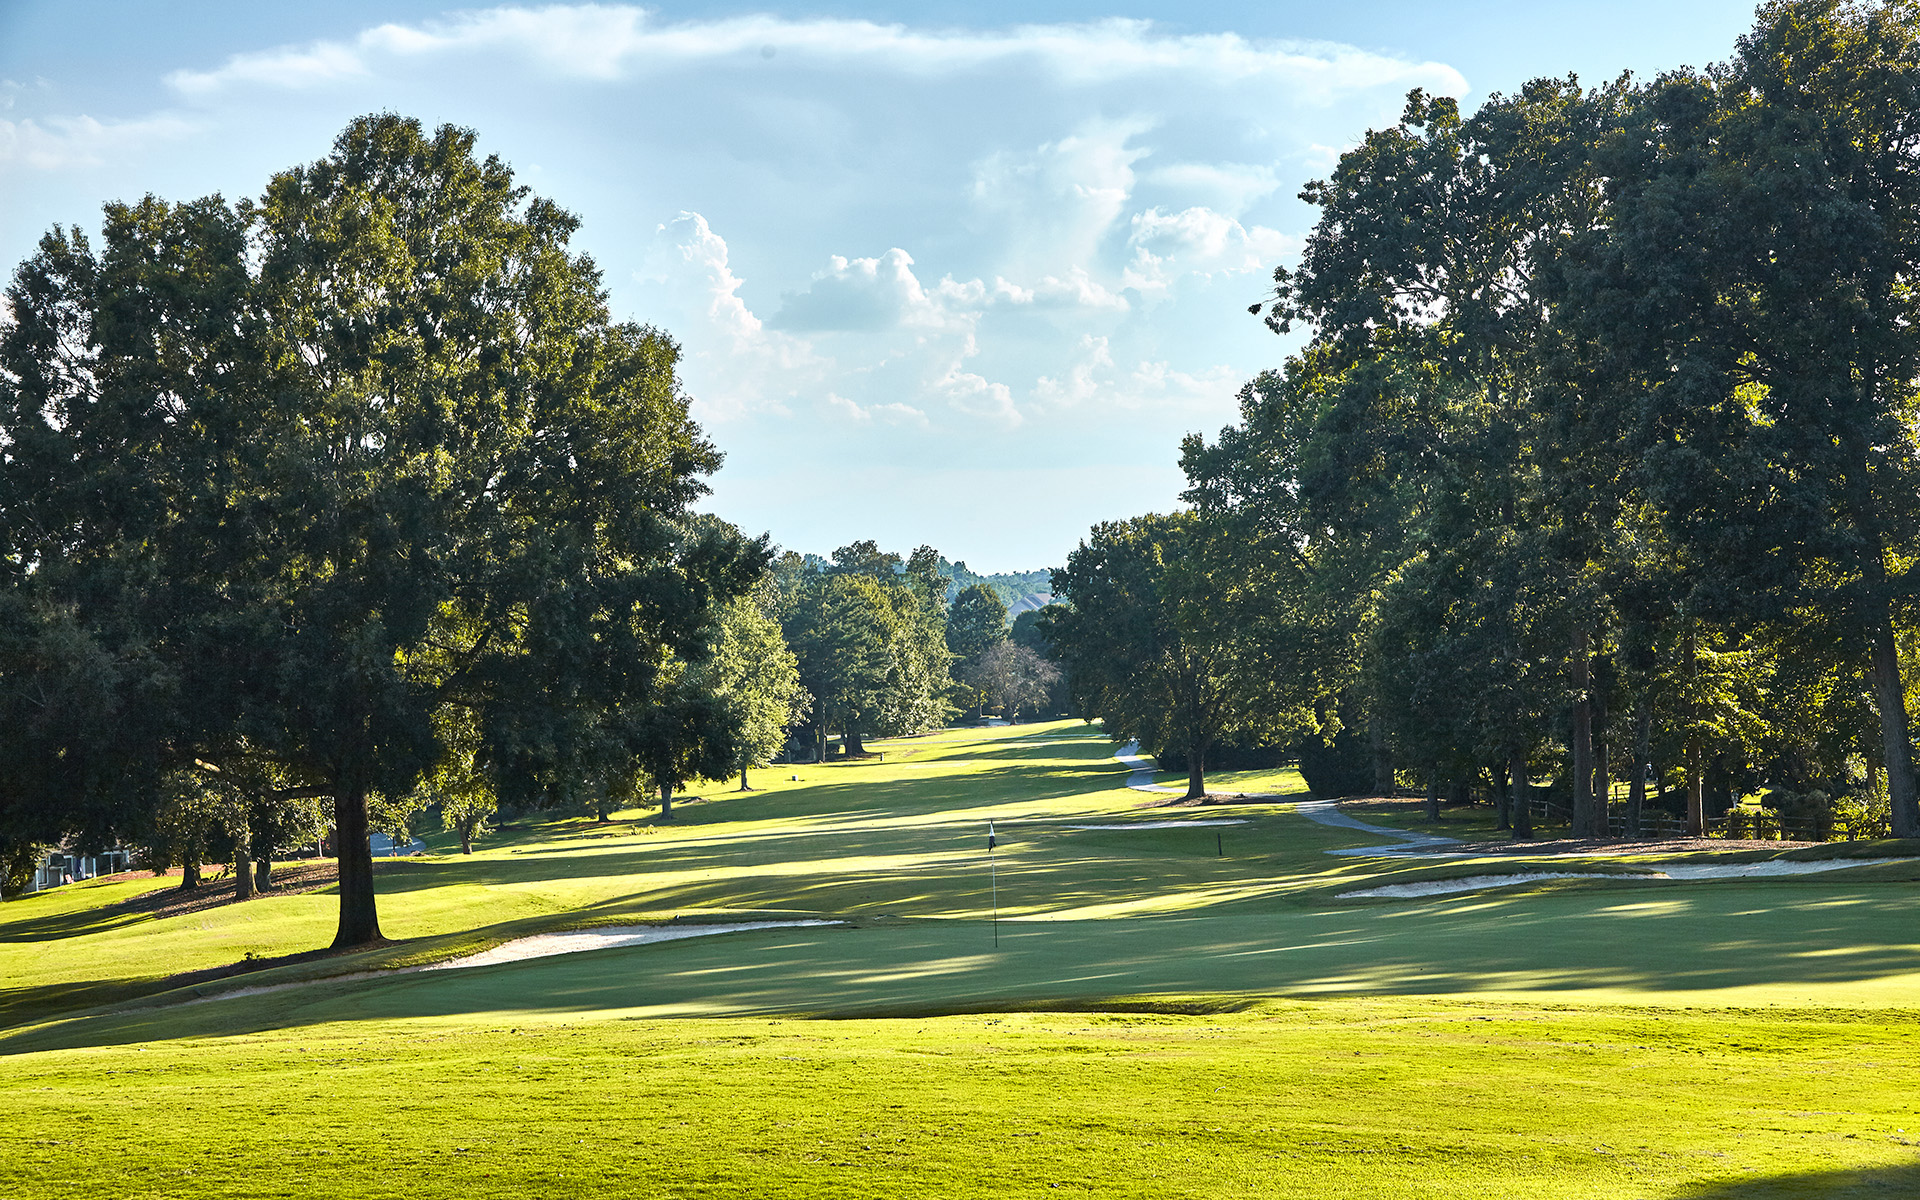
x: 338, y: 460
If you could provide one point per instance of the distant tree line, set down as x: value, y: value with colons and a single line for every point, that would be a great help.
x: 1600, y: 464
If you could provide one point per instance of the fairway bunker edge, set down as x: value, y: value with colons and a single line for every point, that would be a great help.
x: 1659, y: 871
x: 539, y: 945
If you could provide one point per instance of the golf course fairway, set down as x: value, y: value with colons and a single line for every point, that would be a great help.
x: 1157, y: 1011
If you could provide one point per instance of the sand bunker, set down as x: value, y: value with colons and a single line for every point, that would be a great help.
x: 1749, y: 870
x: 577, y: 941
x: 540, y: 945
x: 1472, y: 883
x: 1690, y: 871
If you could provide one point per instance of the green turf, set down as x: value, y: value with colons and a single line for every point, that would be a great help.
x: 1343, y: 1098
x: 1594, y: 1037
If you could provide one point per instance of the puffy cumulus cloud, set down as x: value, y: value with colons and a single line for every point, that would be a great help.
x: 862, y: 336
x: 873, y: 294
x: 1091, y: 371
x: 975, y: 395
x: 892, y: 414
x: 53, y: 143
x: 1198, y: 241
x: 1145, y: 384
x: 1052, y: 206
x: 868, y: 295
x: 611, y: 41
x: 735, y: 363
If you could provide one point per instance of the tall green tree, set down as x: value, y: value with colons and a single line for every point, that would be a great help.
x: 387, y: 453
x: 1765, y: 240
x: 758, y: 677
x: 869, y: 633
x: 1155, y: 636
x: 976, y: 622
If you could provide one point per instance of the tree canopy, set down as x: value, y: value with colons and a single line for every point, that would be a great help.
x: 300, y: 477
x: 1601, y: 455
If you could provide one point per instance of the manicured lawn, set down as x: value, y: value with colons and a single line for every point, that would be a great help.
x: 1169, y: 1012
x: 1349, y: 1098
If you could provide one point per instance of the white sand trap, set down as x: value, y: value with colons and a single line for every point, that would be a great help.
x: 1159, y: 824
x: 577, y: 941
x: 1755, y: 869
x: 1691, y: 871
x: 540, y: 945
x: 1472, y: 883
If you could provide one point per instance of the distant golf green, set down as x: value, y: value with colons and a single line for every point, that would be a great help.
x: 1190, y: 1010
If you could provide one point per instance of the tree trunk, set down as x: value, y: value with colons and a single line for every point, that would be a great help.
x: 1522, y: 800
x: 1582, y: 738
x: 1696, y: 783
x: 359, y: 917
x: 190, y: 873
x: 666, y: 802
x: 466, y: 835
x: 1433, y: 794
x: 821, y: 755
x: 1602, y: 776
x: 1196, y: 771
x: 851, y: 736
x: 242, y: 870
x: 1896, y: 743
x: 1502, y: 797
x: 743, y: 780
x: 1696, y: 792
x: 1637, y: 785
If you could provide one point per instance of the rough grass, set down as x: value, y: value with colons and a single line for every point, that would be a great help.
x: 1168, y: 1013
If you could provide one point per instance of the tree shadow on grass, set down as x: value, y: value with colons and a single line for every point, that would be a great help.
x: 1704, y: 942
x: 1899, y: 1180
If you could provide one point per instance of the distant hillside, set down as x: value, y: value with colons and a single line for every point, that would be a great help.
x: 1019, y: 590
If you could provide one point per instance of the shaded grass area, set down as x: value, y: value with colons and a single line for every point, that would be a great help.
x: 898, y: 848
x: 1352, y: 1098
x: 844, y: 838
x: 1775, y: 942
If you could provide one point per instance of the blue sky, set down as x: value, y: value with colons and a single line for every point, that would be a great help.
x: 958, y: 274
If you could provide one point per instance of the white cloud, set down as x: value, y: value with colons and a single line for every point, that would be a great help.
x: 1083, y: 382
x: 613, y: 41
x: 1146, y: 385
x: 1227, y: 186
x: 689, y: 270
x: 1199, y: 241
x: 1077, y: 290
x: 975, y: 395
x: 54, y: 142
x: 871, y: 294
x: 1052, y: 206
x: 892, y: 414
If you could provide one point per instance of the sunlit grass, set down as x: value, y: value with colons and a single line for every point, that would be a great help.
x: 1349, y: 1098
